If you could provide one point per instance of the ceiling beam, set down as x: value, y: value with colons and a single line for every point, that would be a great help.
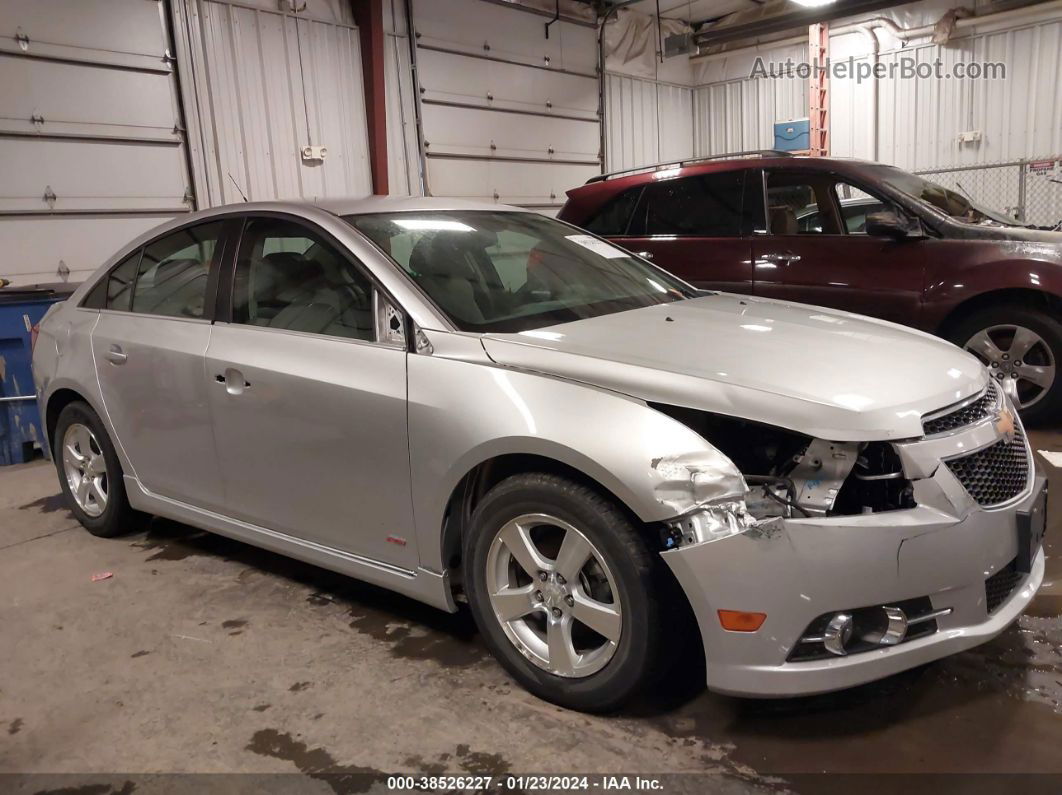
x: 782, y: 16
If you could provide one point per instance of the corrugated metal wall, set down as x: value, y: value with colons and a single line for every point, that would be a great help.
x: 733, y: 112
x: 646, y: 122
x: 266, y: 83
x: 920, y: 120
x: 403, y: 155
x: 91, y: 142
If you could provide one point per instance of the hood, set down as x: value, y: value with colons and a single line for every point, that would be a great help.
x: 1019, y: 234
x: 828, y: 374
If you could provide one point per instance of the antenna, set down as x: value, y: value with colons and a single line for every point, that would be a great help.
x: 237, y: 185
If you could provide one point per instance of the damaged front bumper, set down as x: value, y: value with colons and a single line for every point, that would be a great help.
x: 797, y: 571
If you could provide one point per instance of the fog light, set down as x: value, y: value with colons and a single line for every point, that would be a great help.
x: 739, y: 621
x: 838, y: 633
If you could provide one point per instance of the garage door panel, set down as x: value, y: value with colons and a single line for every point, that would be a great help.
x: 79, y: 173
x: 520, y: 36
x: 460, y: 78
x: 468, y: 131
x: 509, y: 183
x: 31, y: 247
x: 75, y: 99
x: 127, y: 33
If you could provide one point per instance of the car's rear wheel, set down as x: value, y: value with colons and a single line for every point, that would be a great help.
x: 1022, y: 349
x: 563, y: 588
x: 90, y: 473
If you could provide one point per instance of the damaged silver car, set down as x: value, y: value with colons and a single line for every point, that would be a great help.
x: 471, y: 402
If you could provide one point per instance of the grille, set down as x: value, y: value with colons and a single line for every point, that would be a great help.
x: 995, y: 474
x: 1001, y: 584
x: 984, y: 406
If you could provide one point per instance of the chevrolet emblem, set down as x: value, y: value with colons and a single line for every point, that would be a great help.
x: 1005, y: 424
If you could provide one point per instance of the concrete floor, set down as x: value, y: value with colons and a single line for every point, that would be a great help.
x: 202, y: 654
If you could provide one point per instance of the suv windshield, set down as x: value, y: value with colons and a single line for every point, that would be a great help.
x: 507, y: 272
x: 947, y: 201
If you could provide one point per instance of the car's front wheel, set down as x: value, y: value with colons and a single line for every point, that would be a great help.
x: 1022, y: 349
x: 90, y: 473
x: 564, y: 589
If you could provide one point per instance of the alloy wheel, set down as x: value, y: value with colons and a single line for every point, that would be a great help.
x: 554, y: 595
x: 1018, y: 358
x: 85, y: 469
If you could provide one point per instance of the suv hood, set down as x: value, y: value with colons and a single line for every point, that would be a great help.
x: 828, y: 374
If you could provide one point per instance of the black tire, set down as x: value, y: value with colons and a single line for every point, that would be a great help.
x: 635, y: 569
x: 118, y: 517
x: 1048, y: 328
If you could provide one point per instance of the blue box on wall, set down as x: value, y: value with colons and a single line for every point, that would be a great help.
x: 792, y: 136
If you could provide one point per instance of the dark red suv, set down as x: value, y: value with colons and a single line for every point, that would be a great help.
x: 853, y: 235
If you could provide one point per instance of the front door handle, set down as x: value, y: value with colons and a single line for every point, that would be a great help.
x: 234, y: 382
x: 115, y: 355
x: 785, y: 257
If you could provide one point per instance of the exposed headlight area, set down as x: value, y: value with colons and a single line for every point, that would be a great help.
x: 792, y: 475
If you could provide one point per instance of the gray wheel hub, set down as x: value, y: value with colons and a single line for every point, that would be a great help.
x: 1018, y: 358
x: 85, y: 469
x: 554, y: 595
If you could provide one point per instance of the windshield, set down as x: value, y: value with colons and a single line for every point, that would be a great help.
x: 508, y: 272
x: 960, y: 207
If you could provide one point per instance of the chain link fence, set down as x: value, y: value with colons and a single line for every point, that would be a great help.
x: 1030, y: 191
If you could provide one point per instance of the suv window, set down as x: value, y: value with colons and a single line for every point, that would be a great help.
x: 614, y: 218
x: 856, y: 205
x: 800, y: 204
x: 174, y: 271
x: 709, y: 205
x: 289, y: 277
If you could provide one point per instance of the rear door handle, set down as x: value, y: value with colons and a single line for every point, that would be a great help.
x: 115, y: 355
x: 233, y: 380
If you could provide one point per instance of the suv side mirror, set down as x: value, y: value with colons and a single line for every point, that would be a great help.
x: 888, y: 223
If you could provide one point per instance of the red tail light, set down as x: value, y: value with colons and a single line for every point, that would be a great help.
x: 33, y: 336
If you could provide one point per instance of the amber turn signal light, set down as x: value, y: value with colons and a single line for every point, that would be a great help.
x: 740, y: 621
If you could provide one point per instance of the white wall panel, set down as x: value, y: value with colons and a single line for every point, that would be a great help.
x: 403, y: 155
x: 488, y: 133
x: 266, y: 84
x: 526, y: 184
x: 466, y: 79
x: 81, y: 243
x: 89, y: 113
x: 507, y: 114
x: 647, y: 122
x: 482, y: 28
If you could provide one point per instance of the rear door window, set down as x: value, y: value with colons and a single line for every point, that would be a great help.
x: 174, y: 271
x: 708, y: 205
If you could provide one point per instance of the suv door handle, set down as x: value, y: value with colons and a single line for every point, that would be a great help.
x: 786, y: 258
x: 115, y: 355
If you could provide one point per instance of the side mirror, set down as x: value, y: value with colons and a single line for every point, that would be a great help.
x: 888, y: 223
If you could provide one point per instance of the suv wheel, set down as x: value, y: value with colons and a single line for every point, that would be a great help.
x: 90, y: 474
x: 562, y: 587
x: 1022, y: 349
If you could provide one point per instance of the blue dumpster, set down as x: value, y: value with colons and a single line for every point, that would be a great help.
x: 21, y: 308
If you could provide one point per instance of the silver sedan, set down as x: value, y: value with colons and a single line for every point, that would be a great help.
x: 466, y: 402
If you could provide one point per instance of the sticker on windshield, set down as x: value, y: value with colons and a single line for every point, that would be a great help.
x: 600, y: 247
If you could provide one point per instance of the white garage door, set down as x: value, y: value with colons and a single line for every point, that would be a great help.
x: 508, y: 115
x: 91, y: 140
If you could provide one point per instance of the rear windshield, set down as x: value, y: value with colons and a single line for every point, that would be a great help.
x: 507, y: 272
